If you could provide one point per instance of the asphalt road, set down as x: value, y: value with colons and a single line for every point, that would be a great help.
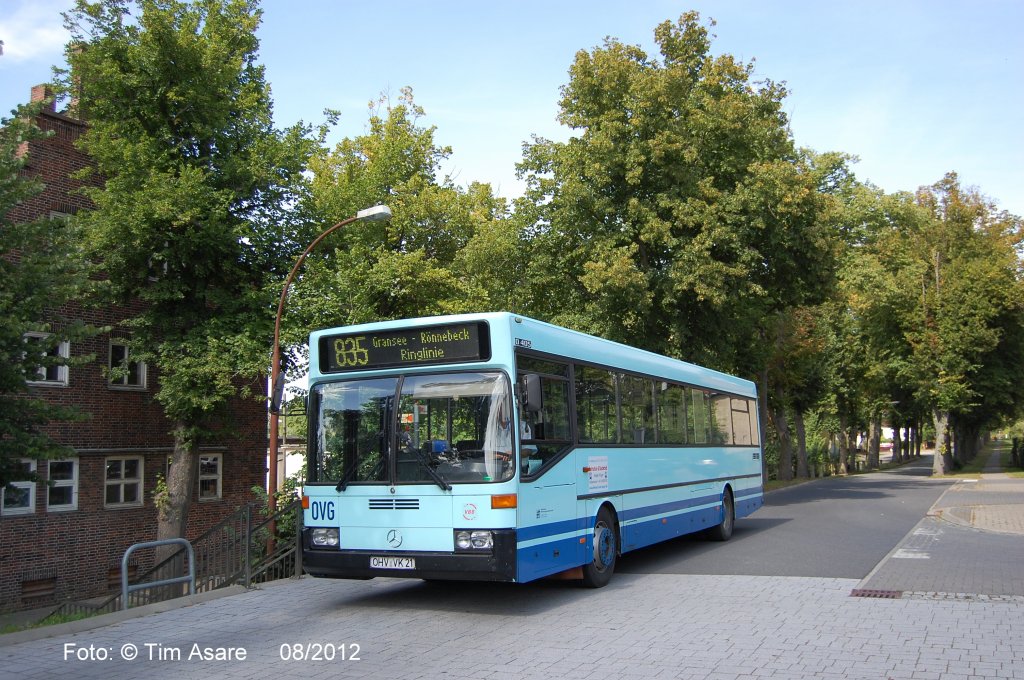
x: 839, y: 527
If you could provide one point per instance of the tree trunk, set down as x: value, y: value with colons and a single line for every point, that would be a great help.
x: 960, y: 438
x: 844, y: 446
x: 874, y: 441
x: 762, y: 418
x: 971, y: 442
x: 802, y: 470
x: 784, y: 440
x: 897, y: 445
x: 943, y: 463
x: 173, y: 505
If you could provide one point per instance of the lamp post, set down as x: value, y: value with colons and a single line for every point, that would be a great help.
x: 377, y: 213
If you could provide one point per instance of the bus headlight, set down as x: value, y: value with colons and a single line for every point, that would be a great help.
x: 324, y: 538
x: 474, y: 541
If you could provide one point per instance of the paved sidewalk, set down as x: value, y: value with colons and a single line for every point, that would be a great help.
x: 993, y: 503
x: 969, y: 547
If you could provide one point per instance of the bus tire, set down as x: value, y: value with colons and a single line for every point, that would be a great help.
x: 598, y: 572
x: 723, y: 531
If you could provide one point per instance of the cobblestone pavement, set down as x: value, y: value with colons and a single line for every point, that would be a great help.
x: 939, y: 558
x: 640, y: 626
x: 993, y: 503
x: 946, y: 604
x: 970, y: 546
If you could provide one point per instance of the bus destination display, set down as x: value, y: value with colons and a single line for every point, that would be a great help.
x: 406, y: 347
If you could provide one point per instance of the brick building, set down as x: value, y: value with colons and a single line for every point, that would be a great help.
x: 65, y: 540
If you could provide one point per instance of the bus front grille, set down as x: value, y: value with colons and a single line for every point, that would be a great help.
x: 394, y: 504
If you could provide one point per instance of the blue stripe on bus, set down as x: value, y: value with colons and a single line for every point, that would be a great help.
x: 656, y: 530
x: 538, y: 558
x: 661, y: 487
x: 544, y: 558
x: 673, y: 506
x: 743, y: 493
x: 553, y: 529
x: 583, y: 524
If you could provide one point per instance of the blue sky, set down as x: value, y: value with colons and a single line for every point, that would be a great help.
x: 914, y: 88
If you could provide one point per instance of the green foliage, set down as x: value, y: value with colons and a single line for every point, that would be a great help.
x: 927, y: 320
x: 446, y: 250
x: 285, y: 526
x: 161, y: 495
x: 294, y: 418
x: 41, y: 268
x: 192, y: 218
x: 681, y: 215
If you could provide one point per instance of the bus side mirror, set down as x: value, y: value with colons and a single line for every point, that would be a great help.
x: 533, y: 395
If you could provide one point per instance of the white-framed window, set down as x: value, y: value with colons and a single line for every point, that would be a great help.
x: 125, y: 372
x: 21, y: 500
x: 211, y: 474
x: 62, y: 492
x: 47, y: 373
x: 123, y: 482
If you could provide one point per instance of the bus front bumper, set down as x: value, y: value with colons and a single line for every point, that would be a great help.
x: 497, y: 565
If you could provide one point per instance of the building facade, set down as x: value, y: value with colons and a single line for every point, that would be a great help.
x: 63, y: 538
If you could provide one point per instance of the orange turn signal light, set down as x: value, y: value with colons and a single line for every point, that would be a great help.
x: 305, y: 502
x: 505, y: 500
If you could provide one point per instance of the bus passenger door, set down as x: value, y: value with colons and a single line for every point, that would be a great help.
x: 547, y: 541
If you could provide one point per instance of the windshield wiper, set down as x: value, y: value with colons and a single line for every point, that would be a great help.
x: 343, y: 484
x: 434, y: 474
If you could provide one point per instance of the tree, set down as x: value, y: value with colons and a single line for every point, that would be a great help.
x: 437, y: 255
x: 935, y: 293
x: 681, y: 215
x: 968, y: 325
x: 797, y: 375
x: 41, y: 268
x: 192, y: 219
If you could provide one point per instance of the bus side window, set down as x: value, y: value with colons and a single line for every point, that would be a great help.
x: 697, y: 417
x: 721, y: 419
x: 596, y: 409
x: 671, y: 414
x: 636, y: 402
x: 544, y: 411
x: 545, y: 408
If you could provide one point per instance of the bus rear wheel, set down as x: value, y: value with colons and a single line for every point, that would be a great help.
x: 723, y: 531
x: 598, y: 572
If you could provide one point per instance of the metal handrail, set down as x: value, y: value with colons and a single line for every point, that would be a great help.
x: 190, y: 578
x: 222, y: 557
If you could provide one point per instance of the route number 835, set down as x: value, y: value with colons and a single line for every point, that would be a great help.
x: 350, y: 352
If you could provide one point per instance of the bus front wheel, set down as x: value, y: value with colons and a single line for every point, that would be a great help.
x: 598, y: 572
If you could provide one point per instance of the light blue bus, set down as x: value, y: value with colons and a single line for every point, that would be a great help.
x: 496, y: 447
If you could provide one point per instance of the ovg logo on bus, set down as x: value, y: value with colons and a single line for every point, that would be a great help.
x: 469, y: 511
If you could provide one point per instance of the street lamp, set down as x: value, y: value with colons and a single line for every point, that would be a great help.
x: 377, y: 213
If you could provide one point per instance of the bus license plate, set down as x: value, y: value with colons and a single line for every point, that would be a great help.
x: 392, y: 562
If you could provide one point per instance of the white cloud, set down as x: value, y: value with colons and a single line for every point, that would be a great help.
x: 34, y: 30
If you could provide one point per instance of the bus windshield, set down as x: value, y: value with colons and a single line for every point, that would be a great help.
x: 435, y: 428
